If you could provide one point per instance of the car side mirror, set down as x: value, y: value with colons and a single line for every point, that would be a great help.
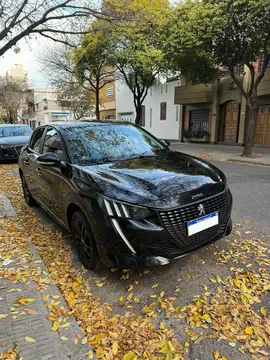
x: 50, y: 159
x: 165, y: 142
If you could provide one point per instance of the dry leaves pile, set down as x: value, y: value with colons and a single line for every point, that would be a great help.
x: 225, y: 313
x: 127, y: 337
x: 11, y: 354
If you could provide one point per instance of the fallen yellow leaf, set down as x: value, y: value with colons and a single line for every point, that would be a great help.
x: 55, y: 326
x: 3, y: 316
x: 84, y: 341
x: 115, y: 348
x: 130, y: 356
x: 29, y: 339
x: 216, y: 355
x: 100, y: 284
x: 24, y: 301
x: 63, y: 338
x: 249, y: 330
x: 263, y: 311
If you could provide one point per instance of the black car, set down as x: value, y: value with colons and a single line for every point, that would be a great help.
x: 12, y: 138
x: 127, y: 199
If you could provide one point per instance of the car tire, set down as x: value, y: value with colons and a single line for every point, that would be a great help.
x: 85, y: 241
x: 26, y: 193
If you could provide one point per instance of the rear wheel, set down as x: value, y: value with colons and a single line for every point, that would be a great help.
x: 26, y: 193
x: 85, y: 241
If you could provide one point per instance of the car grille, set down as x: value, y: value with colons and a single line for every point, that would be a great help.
x: 175, y: 221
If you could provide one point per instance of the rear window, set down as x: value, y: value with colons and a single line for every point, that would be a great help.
x: 15, y: 131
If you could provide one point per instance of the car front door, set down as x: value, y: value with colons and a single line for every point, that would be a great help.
x: 55, y: 180
x: 29, y: 163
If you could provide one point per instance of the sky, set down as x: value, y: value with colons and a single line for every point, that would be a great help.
x: 27, y: 57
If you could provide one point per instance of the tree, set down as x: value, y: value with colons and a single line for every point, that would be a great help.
x: 136, y: 49
x: 12, y: 95
x: 91, y: 61
x: 57, y: 66
x: 53, y: 19
x: 76, y: 99
x: 210, y: 33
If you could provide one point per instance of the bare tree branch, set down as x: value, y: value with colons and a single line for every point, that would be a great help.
x: 21, y: 18
x: 238, y: 83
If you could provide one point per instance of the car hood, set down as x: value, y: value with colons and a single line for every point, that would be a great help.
x: 14, y: 140
x: 161, y: 181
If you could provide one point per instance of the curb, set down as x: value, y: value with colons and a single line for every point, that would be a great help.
x: 247, y: 162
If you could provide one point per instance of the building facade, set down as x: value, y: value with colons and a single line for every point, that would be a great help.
x: 42, y: 108
x: 160, y: 115
x: 107, y: 106
x: 17, y: 72
x: 220, y: 110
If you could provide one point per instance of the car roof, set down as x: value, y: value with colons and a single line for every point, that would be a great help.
x: 8, y: 125
x: 69, y: 124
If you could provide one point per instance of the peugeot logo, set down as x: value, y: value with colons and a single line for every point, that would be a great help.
x: 201, y: 209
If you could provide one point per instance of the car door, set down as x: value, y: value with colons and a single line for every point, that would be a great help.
x: 55, y: 180
x: 29, y: 163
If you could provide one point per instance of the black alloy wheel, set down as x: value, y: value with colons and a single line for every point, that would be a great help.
x: 26, y: 193
x: 85, y: 241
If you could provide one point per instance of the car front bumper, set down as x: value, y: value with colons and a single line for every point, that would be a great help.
x: 141, y: 243
x: 11, y: 153
x: 131, y: 260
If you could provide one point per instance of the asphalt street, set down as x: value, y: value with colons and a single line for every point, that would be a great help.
x: 250, y: 186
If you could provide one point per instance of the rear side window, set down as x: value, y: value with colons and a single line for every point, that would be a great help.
x: 36, y: 140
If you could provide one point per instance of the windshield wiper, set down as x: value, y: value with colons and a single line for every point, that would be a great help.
x: 142, y: 156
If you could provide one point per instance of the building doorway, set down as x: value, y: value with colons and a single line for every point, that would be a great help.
x: 231, y: 119
x: 262, y: 133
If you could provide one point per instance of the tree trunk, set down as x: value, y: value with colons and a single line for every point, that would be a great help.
x: 138, y: 118
x: 251, y: 126
x: 97, y: 104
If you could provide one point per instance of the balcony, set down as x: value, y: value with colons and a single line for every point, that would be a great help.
x: 193, y: 94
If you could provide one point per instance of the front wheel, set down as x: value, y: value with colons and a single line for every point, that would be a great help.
x: 26, y: 193
x: 85, y: 241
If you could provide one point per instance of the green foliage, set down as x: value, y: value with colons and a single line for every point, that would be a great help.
x: 137, y: 43
x: 209, y: 33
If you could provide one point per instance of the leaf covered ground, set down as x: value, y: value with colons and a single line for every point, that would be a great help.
x: 227, y: 311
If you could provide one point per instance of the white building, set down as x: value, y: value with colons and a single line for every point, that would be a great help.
x: 43, y: 108
x: 161, y: 116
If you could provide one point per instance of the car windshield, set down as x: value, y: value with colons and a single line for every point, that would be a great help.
x: 111, y: 142
x: 15, y: 131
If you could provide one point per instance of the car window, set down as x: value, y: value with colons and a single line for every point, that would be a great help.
x: 36, y: 140
x: 110, y: 142
x: 53, y: 143
x: 16, y: 130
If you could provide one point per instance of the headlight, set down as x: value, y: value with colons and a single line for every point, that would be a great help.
x: 6, y: 146
x: 118, y: 209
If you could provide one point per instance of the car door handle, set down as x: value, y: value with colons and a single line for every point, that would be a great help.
x: 39, y: 172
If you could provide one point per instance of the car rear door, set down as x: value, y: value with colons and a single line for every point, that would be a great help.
x: 55, y: 180
x: 29, y: 163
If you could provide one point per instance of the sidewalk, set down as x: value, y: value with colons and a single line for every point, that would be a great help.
x: 230, y: 153
x: 35, y: 321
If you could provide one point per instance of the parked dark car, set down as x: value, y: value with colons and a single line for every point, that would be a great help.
x: 12, y: 138
x: 127, y: 199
